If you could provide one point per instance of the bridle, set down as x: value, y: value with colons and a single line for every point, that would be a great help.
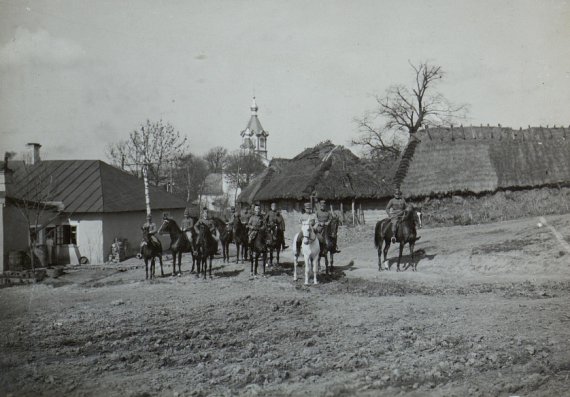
x: 308, y: 239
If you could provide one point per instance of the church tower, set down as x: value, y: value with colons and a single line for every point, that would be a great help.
x: 254, y: 137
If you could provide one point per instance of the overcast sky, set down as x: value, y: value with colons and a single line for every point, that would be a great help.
x: 76, y: 75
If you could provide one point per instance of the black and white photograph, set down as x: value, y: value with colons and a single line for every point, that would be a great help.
x: 284, y: 198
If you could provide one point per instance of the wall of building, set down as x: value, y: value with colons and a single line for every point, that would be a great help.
x: 89, y: 240
x: 127, y: 225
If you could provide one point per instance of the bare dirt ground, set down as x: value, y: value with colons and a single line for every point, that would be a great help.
x: 485, y: 314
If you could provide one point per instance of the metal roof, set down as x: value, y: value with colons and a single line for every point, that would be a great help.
x: 86, y: 186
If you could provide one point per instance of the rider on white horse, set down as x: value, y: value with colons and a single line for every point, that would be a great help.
x: 306, y: 216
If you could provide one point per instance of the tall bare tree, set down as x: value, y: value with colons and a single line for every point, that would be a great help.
x: 241, y: 168
x: 190, y: 174
x: 156, y: 144
x: 402, y: 111
x: 215, y: 158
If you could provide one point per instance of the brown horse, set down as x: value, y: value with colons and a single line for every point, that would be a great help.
x: 276, y: 241
x: 179, y: 243
x: 259, y: 248
x: 239, y: 234
x: 205, y: 249
x: 406, y: 234
x: 151, y: 250
x: 328, y: 248
x: 225, y: 233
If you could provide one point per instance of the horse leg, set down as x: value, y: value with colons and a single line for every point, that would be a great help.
x: 277, y: 255
x: 264, y: 258
x: 380, y: 256
x: 400, y: 255
x: 315, y: 271
x: 308, y: 263
x: 211, y: 268
x: 161, y: 270
x: 387, y: 265
x: 414, y: 264
x: 251, y: 261
x: 180, y: 263
x: 146, y: 267
x: 205, y: 265
x: 295, y: 263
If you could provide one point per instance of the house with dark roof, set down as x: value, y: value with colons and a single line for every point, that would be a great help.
x: 98, y: 203
x: 480, y: 160
x: 326, y: 171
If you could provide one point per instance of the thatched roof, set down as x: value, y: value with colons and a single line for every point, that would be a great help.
x: 328, y: 171
x: 483, y: 159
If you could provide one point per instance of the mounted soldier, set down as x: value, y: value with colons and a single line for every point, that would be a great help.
x: 254, y: 223
x: 306, y: 216
x: 206, y: 221
x: 233, y: 215
x: 274, y: 217
x: 187, y: 224
x: 151, y: 227
x: 395, y: 209
x: 324, y: 217
x: 245, y: 216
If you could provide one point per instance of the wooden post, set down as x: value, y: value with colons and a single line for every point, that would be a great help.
x: 353, y: 213
x: 361, y: 213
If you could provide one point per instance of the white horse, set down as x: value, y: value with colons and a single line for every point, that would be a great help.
x: 310, y: 250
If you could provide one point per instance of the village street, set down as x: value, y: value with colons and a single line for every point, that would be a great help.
x: 485, y: 314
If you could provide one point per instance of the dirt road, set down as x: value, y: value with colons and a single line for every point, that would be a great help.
x: 485, y: 314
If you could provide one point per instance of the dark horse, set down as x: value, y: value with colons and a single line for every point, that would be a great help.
x: 329, y: 236
x: 151, y: 250
x: 259, y: 247
x: 275, y: 239
x: 239, y: 234
x: 205, y: 248
x: 406, y: 234
x: 225, y: 232
x: 179, y: 243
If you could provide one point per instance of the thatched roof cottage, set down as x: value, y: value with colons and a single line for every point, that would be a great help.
x: 476, y: 160
x: 326, y: 171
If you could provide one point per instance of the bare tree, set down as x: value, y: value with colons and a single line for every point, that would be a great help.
x: 404, y: 111
x: 216, y: 158
x: 190, y: 174
x: 241, y: 168
x: 155, y: 144
x: 34, y: 199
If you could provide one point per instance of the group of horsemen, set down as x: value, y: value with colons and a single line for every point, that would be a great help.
x: 254, y: 221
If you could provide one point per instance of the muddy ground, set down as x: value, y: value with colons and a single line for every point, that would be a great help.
x: 485, y: 314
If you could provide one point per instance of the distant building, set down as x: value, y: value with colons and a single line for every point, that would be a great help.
x: 254, y: 137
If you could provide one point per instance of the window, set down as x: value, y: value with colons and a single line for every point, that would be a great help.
x: 262, y: 143
x: 65, y: 234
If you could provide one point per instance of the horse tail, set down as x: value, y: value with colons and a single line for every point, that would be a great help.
x: 377, y: 233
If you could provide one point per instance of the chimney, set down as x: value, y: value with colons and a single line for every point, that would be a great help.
x: 34, y: 153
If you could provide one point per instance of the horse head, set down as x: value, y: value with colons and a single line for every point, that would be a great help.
x: 308, y: 232
x: 145, y: 233
x: 419, y: 217
x: 333, y: 227
x: 164, y: 227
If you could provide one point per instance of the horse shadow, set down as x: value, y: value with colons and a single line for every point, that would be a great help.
x: 228, y: 273
x: 287, y: 269
x: 407, y: 259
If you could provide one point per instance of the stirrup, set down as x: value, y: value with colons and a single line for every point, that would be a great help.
x: 393, y: 240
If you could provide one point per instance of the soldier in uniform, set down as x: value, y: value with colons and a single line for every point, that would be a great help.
x: 151, y: 232
x: 254, y: 224
x: 274, y: 217
x: 395, y: 208
x: 306, y: 216
x: 233, y: 215
x: 209, y: 223
x: 187, y: 224
x: 324, y: 217
x: 245, y: 216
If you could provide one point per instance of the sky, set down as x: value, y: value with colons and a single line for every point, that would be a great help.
x: 76, y: 75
